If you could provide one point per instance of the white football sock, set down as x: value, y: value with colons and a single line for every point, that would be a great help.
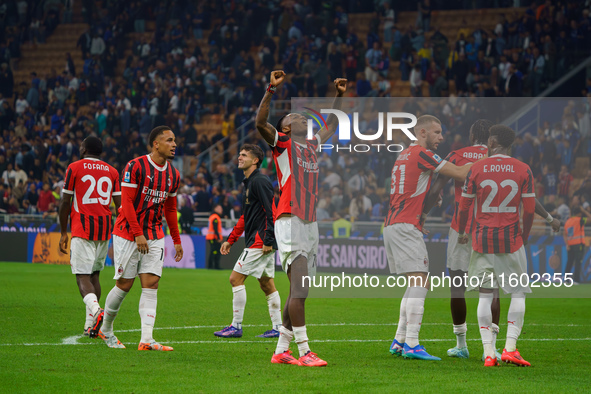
x: 285, y: 338
x: 112, y: 305
x: 238, y: 305
x: 484, y: 322
x: 495, y: 332
x: 460, y: 331
x: 89, y: 318
x: 147, y: 309
x: 301, y: 338
x: 415, y: 307
x: 91, y: 303
x: 515, y: 318
x: 274, y: 303
x: 401, y: 329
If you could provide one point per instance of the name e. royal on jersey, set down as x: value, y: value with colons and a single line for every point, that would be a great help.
x: 499, y: 168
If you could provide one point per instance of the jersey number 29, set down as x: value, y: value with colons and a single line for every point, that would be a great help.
x: 105, y: 194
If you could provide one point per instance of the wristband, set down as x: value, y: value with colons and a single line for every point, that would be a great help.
x: 549, y: 218
x: 271, y: 89
x: 461, y: 234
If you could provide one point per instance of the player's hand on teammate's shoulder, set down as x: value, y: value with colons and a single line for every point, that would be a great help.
x: 277, y: 77
x: 341, y: 85
x: 267, y: 249
x: 64, y: 243
x: 225, y: 248
x: 178, y: 256
x: 142, y: 244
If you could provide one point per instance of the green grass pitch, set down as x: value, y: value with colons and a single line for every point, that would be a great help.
x: 41, y: 349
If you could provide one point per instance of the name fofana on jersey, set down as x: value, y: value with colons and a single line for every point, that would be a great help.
x: 96, y: 166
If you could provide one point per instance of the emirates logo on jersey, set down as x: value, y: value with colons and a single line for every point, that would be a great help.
x: 155, y: 196
x: 308, y: 166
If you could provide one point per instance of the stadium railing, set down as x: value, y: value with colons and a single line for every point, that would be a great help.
x: 217, y: 149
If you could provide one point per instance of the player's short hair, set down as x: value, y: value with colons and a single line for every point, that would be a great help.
x: 156, y: 131
x: 278, y: 125
x: 504, y: 135
x: 256, y: 151
x: 93, y: 145
x: 480, y: 130
x: 424, y: 120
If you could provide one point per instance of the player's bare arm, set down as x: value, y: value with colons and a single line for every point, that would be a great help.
x: 267, y: 131
x: 64, y: 214
x: 117, y: 202
x: 554, y: 223
x: 459, y: 173
x: 435, y: 192
x: 332, y: 121
x: 465, y: 204
x: 529, y: 208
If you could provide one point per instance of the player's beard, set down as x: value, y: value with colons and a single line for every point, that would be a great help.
x: 432, y: 144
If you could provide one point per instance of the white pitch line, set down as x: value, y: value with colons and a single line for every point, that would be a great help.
x: 265, y: 342
x: 73, y: 340
x: 345, y: 324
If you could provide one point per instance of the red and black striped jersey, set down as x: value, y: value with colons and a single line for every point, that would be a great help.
x: 461, y: 157
x: 498, y: 183
x: 153, y: 184
x: 91, y: 182
x: 297, y: 173
x: 411, y: 180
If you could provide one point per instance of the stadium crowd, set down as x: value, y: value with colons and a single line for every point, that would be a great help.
x: 194, y: 64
